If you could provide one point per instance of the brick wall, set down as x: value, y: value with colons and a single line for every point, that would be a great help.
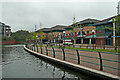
x: 89, y: 28
x: 99, y: 31
x: 98, y: 41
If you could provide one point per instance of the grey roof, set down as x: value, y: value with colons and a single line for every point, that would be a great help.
x: 58, y: 27
x: 107, y: 20
x: 7, y: 26
x: 44, y: 29
x: 88, y: 21
x: 2, y: 23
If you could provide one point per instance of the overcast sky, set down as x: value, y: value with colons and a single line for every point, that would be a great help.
x: 25, y: 15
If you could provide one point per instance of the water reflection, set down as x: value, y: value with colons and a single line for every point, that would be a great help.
x: 17, y: 63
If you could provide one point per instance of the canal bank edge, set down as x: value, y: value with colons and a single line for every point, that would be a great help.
x: 87, y: 70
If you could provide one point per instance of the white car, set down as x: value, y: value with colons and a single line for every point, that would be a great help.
x: 68, y: 42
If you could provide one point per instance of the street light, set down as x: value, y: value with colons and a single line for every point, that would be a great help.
x: 59, y: 37
x: 93, y: 31
x: 64, y: 37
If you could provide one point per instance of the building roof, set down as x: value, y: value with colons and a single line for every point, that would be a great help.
x: 107, y: 20
x: 7, y: 26
x: 58, y: 27
x: 44, y: 29
x: 2, y: 23
x: 88, y: 21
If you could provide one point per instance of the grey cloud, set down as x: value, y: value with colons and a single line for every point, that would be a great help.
x: 24, y: 15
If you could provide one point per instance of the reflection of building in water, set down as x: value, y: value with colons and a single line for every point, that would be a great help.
x: 5, y: 30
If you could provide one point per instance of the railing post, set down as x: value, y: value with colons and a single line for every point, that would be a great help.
x: 46, y: 50
x: 101, y: 65
x: 34, y: 47
x: 78, y: 56
x: 37, y: 48
x: 63, y: 54
x: 41, y: 50
x: 53, y: 52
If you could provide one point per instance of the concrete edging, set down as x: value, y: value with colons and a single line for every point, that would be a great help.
x: 76, y: 67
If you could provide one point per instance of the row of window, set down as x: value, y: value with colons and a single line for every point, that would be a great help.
x: 70, y: 34
x: 79, y: 33
x: 86, y: 41
x: 82, y: 25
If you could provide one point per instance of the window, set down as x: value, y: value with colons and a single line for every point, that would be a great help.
x: 108, y: 31
x: 83, y: 33
x: 72, y: 34
x: 100, y: 31
x: 107, y: 41
x: 75, y: 33
x: 69, y: 34
x: 66, y: 34
x: 87, y: 32
x: 79, y: 33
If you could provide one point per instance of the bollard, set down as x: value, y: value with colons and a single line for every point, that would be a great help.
x: 86, y: 46
x: 80, y: 46
x: 46, y: 51
x: 95, y: 47
x: 104, y: 47
x: 63, y: 54
x: 53, y: 52
x: 73, y: 45
x: 78, y: 56
x: 101, y: 65
x: 41, y: 50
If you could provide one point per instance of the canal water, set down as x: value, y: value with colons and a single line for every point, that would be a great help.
x: 17, y: 63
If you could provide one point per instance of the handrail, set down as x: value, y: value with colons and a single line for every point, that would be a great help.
x: 78, y: 55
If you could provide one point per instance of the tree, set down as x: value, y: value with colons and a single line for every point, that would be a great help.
x: 40, y: 35
x: 20, y: 35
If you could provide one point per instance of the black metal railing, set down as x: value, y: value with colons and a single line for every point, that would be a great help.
x: 78, y: 58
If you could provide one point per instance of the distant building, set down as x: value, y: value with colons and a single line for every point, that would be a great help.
x: 104, y: 36
x: 2, y: 28
x: 5, y: 30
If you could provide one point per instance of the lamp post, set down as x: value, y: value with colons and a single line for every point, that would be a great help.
x: 93, y: 31
x: 59, y: 39
x: 64, y: 37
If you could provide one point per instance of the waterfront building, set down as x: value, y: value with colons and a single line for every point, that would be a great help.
x: 88, y: 32
x: 5, y: 30
x: 104, y: 34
